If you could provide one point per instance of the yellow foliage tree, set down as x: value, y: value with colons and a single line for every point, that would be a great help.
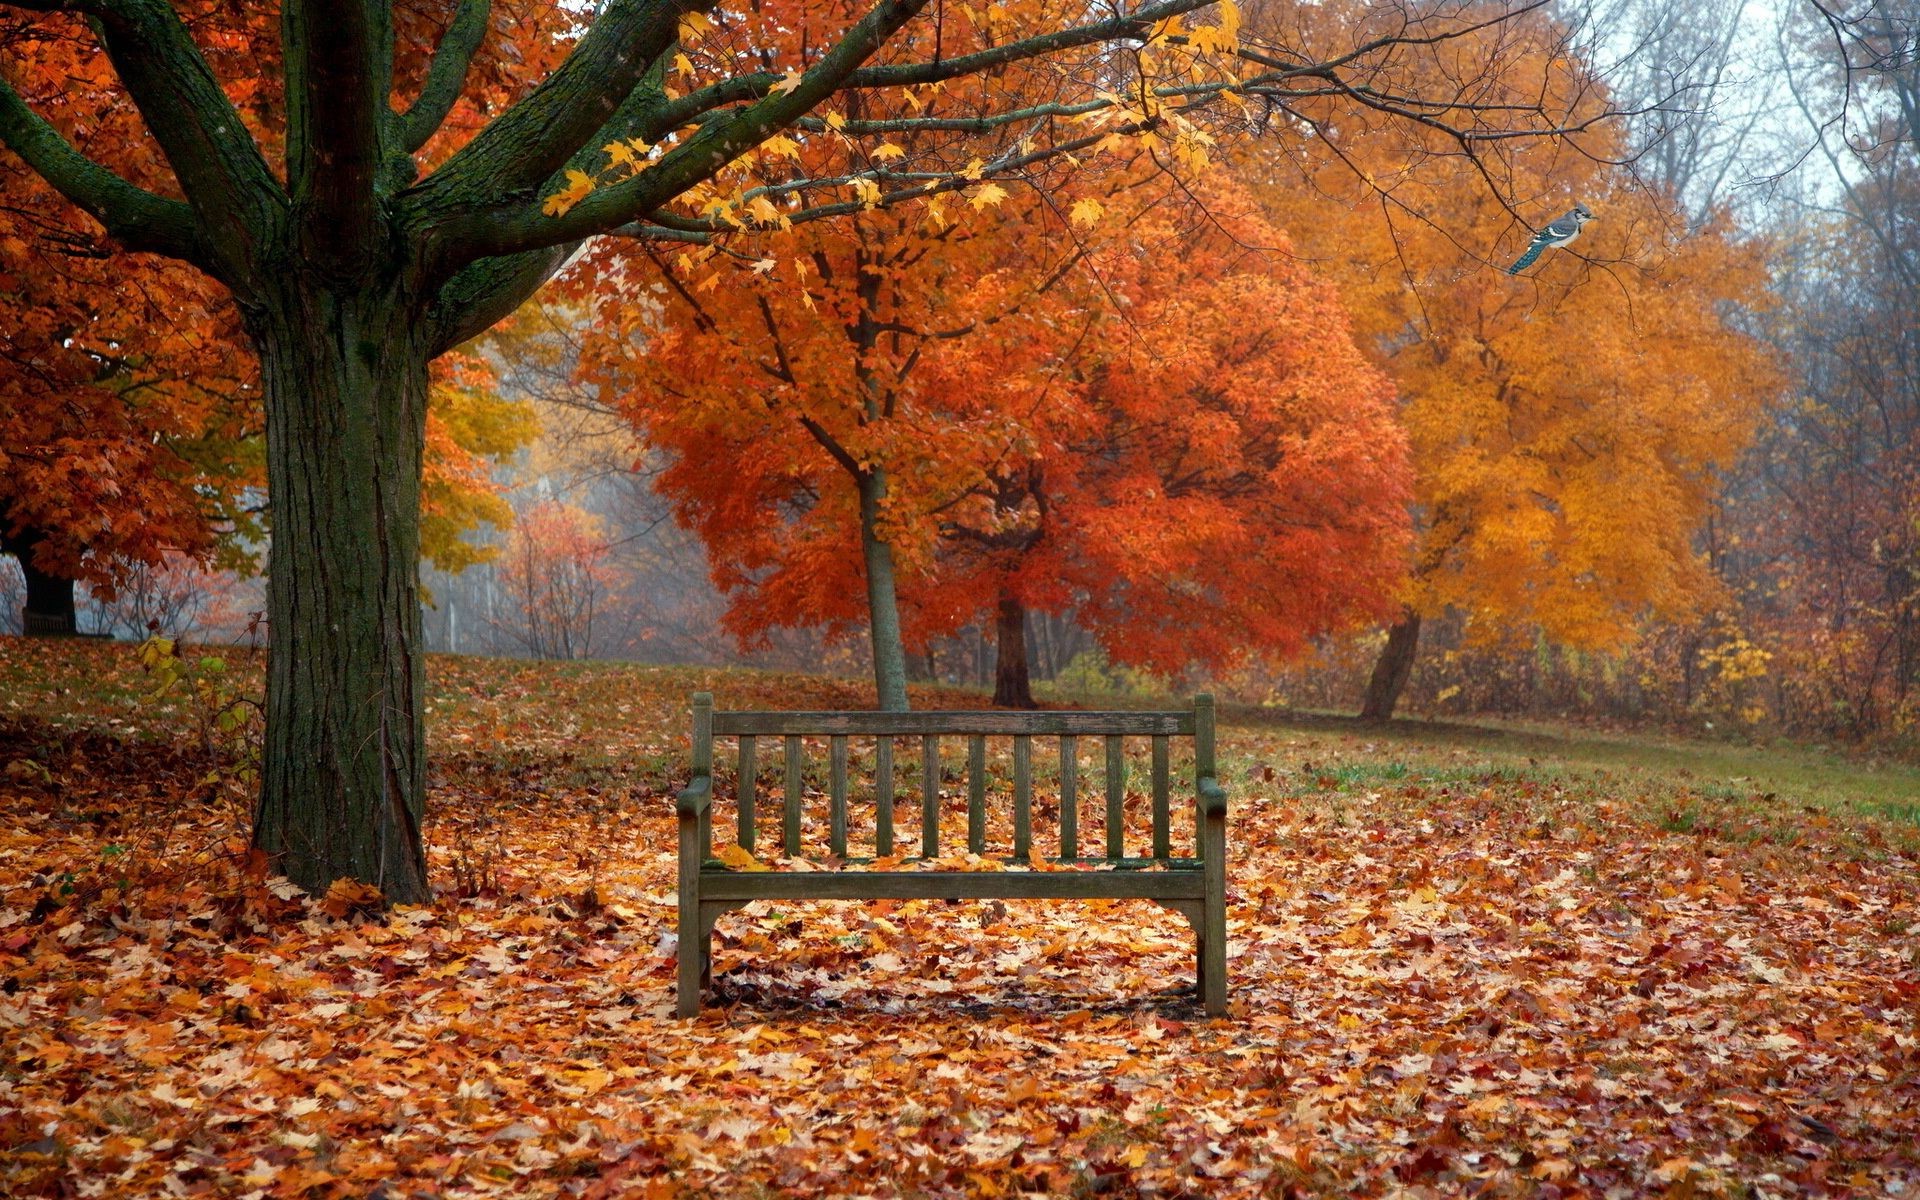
x: 1567, y: 424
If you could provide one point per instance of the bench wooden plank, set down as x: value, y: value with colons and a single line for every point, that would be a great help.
x: 883, y: 796
x: 951, y: 885
x: 977, y: 794
x: 1069, y: 799
x: 930, y: 796
x: 747, y: 792
x: 988, y: 722
x: 1162, y: 818
x: 795, y: 789
x: 1022, y: 796
x: 837, y: 797
x: 1090, y: 862
x: 1116, y: 796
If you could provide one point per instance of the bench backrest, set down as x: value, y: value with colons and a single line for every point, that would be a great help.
x: 789, y: 728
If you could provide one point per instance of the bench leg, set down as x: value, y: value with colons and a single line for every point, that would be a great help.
x: 693, y: 958
x: 1213, y: 918
x: 1213, y: 963
x: 710, y: 911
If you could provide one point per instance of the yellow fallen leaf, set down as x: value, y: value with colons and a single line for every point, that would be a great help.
x: 739, y: 858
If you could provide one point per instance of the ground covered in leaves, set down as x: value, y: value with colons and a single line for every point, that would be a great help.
x: 1451, y: 975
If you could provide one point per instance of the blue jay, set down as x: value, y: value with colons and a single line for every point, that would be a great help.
x: 1559, y: 232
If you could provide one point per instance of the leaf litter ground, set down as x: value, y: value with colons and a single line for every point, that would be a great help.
x: 1447, y: 979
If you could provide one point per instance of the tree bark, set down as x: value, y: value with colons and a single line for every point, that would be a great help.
x: 883, y: 604
x: 1391, y: 673
x: 50, y: 609
x: 344, y: 774
x: 1011, y: 685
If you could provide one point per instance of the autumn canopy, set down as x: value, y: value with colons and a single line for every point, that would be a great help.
x: 929, y: 317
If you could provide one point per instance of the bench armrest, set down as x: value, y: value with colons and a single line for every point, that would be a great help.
x: 696, y: 796
x: 1213, y: 797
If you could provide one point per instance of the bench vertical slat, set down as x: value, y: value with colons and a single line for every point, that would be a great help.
x: 1116, y: 796
x: 1023, y: 796
x: 930, y: 796
x: 977, y: 794
x: 1162, y: 817
x: 1202, y: 766
x: 837, y: 793
x: 883, y: 796
x: 1069, y: 800
x: 747, y: 792
x: 791, y: 821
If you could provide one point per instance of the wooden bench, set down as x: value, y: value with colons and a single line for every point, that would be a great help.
x: 1193, y: 886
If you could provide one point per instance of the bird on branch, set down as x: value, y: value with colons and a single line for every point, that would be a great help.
x: 1559, y: 232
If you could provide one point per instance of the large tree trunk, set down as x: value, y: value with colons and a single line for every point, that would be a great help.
x: 1390, y: 674
x: 883, y: 604
x: 49, y: 609
x: 1011, y: 686
x: 344, y: 777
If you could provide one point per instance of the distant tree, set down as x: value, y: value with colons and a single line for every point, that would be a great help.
x: 556, y: 577
x: 1568, y: 425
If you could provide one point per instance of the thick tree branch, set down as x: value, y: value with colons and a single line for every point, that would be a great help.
x: 133, y: 216
x: 220, y: 168
x: 488, y: 291
x: 523, y: 147
x: 520, y: 226
x: 447, y: 76
x: 721, y: 140
x: 339, y: 70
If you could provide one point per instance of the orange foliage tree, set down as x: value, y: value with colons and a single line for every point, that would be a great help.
x: 1568, y: 425
x: 839, y: 402
x: 1222, y: 479
x: 1161, y: 425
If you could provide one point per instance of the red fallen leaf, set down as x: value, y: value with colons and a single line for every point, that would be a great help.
x: 1421, y: 1167
x: 1768, y: 1137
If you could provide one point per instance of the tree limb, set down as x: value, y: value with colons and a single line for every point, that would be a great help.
x: 698, y: 158
x: 523, y: 147
x: 720, y: 141
x: 446, y: 76
x: 220, y: 168
x: 131, y: 215
x: 339, y: 72
x: 488, y: 291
